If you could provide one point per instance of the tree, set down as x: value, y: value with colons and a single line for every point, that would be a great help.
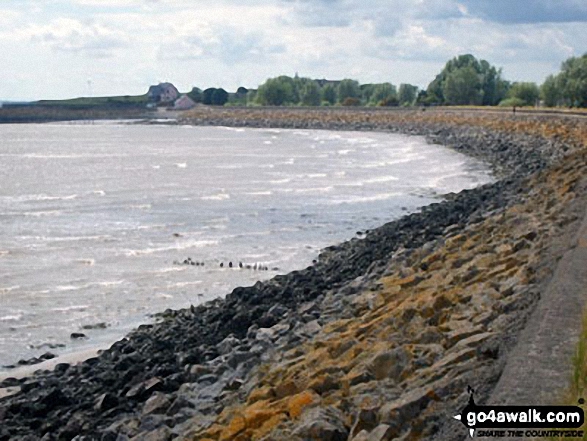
x: 329, y: 94
x: 219, y: 97
x: 384, y: 94
x: 196, y: 95
x: 348, y: 89
x: 490, y: 87
x: 573, y: 81
x: 462, y: 87
x: 528, y: 93
x: 310, y: 94
x: 277, y: 92
x: 407, y: 94
x: 207, y: 95
x: 366, y: 92
x: 549, y: 92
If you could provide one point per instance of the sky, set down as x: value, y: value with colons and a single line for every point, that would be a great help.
x: 54, y: 49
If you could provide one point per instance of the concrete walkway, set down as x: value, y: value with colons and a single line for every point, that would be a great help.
x: 539, y: 369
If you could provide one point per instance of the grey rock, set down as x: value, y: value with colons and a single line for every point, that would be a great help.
x: 322, y: 424
x: 308, y: 329
x: 156, y: 404
x: 390, y: 364
x: 197, y: 370
x: 227, y: 345
x: 383, y: 432
x: 105, y: 401
x: 209, y: 378
x: 160, y: 434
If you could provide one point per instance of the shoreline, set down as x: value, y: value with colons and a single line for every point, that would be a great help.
x: 250, y: 344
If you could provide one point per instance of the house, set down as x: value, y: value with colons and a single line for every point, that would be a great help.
x: 163, y: 93
x: 324, y: 82
x: 184, y: 102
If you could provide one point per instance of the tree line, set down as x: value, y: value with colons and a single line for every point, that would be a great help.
x: 464, y: 80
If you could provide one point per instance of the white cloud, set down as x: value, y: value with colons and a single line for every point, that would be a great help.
x: 69, y: 35
x: 125, y: 45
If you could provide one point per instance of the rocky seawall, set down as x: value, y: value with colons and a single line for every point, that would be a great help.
x: 376, y: 341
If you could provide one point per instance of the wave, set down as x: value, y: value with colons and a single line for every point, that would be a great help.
x: 177, y: 247
x: 184, y: 284
x: 360, y: 199
x: 230, y: 167
x: 170, y: 270
x: 381, y: 179
x: 216, y: 197
x: 71, y: 308
x: 314, y: 190
x: 8, y: 289
x: 38, y: 198
x: 11, y: 317
x: 259, y: 193
x: 38, y: 213
x: 181, y: 165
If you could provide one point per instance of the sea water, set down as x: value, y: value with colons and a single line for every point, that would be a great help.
x: 95, y: 218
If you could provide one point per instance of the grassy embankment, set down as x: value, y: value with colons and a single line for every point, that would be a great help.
x: 76, y: 109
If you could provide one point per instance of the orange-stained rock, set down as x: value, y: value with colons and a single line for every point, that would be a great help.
x: 285, y: 389
x: 269, y: 425
x: 297, y: 403
x: 254, y: 418
x: 323, y: 384
x: 262, y: 393
x: 235, y: 426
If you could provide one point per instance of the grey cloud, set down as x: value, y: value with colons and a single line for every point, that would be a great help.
x: 529, y: 11
x: 387, y: 16
x: 228, y: 46
x: 323, y: 13
x: 89, y: 43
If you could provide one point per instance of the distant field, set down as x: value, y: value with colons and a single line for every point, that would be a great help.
x: 59, y: 112
x: 97, y: 101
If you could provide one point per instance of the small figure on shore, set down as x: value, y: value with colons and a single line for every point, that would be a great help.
x: 221, y: 264
x: 230, y: 264
x: 240, y: 264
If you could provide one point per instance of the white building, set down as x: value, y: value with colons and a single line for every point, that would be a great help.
x: 184, y: 102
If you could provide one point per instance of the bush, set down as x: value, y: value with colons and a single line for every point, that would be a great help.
x: 512, y: 102
x: 350, y: 101
x: 390, y: 101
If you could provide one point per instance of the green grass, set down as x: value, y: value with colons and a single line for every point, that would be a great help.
x: 97, y: 101
x: 578, y: 382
